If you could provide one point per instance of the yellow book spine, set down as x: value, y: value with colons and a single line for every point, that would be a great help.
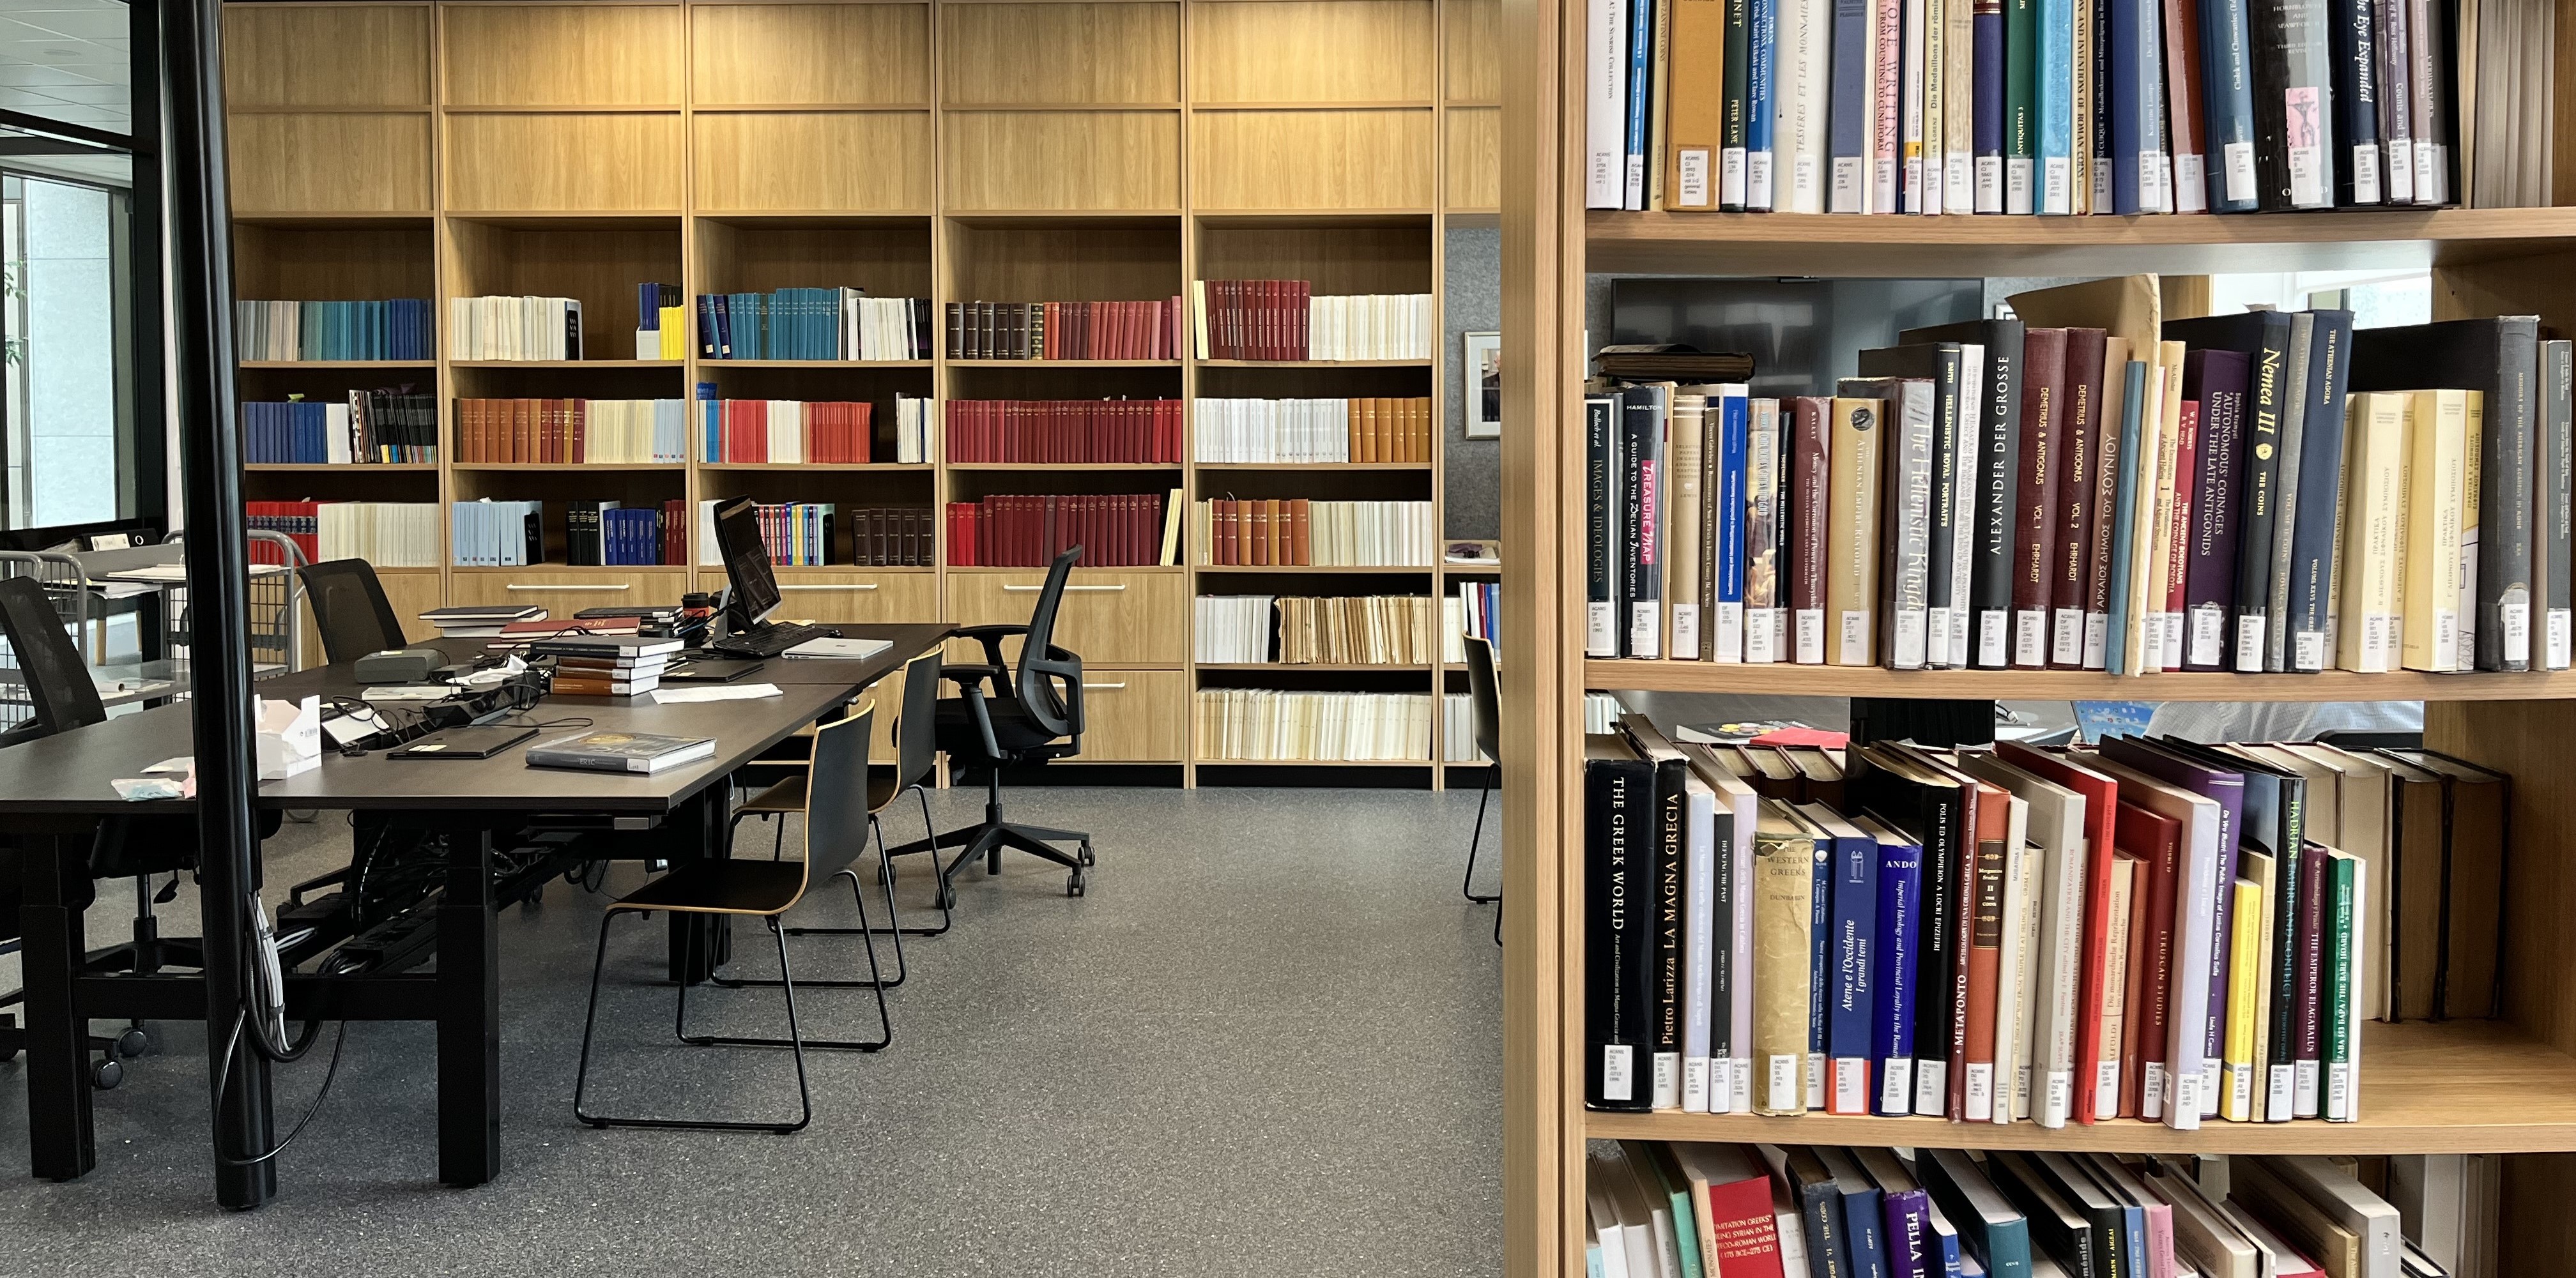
x: 2244, y: 998
x: 2465, y: 655
x: 1851, y: 539
x: 1784, y: 879
x: 2375, y: 440
x: 2435, y: 488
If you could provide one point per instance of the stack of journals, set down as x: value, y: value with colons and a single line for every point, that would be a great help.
x: 1477, y: 611
x: 1233, y: 629
x: 814, y: 324
x: 497, y: 534
x: 660, y: 332
x: 1264, y: 724
x: 2050, y: 106
x: 1458, y: 730
x: 384, y: 533
x: 1357, y: 630
x: 1064, y: 430
x: 570, y: 430
x: 1313, y: 430
x: 389, y: 330
x: 892, y: 536
x: 1115, y: 530
x: 785, y: 430
x: 1297, y: 531
x: 1672, y: 1209
x: 596, y: 665
x: 1064, y: 330
x: 2153, y: 929
x: 606, y: 533
x: 478, y: 621
x: 378, y: 426
x: 2259, y: 493
x: 1284, y: 320
x: 514, y: 328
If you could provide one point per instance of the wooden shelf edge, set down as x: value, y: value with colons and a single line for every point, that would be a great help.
x: 2069, y: 685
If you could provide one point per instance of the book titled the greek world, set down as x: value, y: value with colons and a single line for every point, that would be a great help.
x: 643, y: 752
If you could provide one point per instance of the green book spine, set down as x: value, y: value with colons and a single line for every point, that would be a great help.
x: 1734, y: 134
x: 2021, y: 82
x: 2343, y: 970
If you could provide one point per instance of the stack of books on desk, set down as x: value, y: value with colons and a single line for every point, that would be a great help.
x: 596, y: 665
x: 476, y: 621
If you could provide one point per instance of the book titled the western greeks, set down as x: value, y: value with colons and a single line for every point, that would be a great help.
x: 644, y: 752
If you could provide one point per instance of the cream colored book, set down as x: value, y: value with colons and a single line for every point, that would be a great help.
x: 2436, y: 489
x: 1959, y: 107
x: 2464, y: 655
x: 2361, y: 829
x: 2028, y: 994
x: 1686, y: 512
x: 2106, y: 1081
x: 1851, y: 529
x: 1784, y: 884
x: 2237, y: 1050
x: 2374, y: 451
x: 2160, y: 511
x: 2011, y: 1007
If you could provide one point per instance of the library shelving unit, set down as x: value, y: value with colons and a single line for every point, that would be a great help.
x: 2505, y: 1086
x: 911, y: 148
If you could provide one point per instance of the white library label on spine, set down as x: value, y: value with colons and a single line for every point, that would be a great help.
x: 2097, y: 641
x: 2172, y: 652
x: 2151, y: 1090
x: 2030, y: 637
x: 1720, y: 1086
x: 2446, y: 638
x: 1979, y: 1100
x: 1802, y: 181
x: 2240, y: 1091
x: 1601, y: 630
x: 1618, y: 1077
x: 1931, y: 1087
x: 1851, y: 1085
x: 2208, y: 635
x: 2209, y: 1093
x: 2303, y: 1091
x: 2338, y: 1099
x: 2249, y: 644
x: 2562, y: 628
x: 2106, y: 1087
x: 2365, y: 174
x: 2281, y: 1093
x: 1960, y: 177
x: 2151, y: 181
x: 2517, y: 631
x: 2428, y: 173
x: 2017, y: 173
x: 2378, y: 642
x: 2191, y: 185
x: 1896, y: 1084
x: 2153, y: 635
x: 1851, y: 182
x: 1695, y: 1085
x: 1811, y: 636
x: 1757, y: 181
x: 1645, y: 630
x: 1761, y: 636
x: 1818, y: 1065
x: 1912, y: 637
x: 1989, y: 195
x: 2307, y: 650
x: 1936, y: 640
x: 2182, y: 1108
x: 1913, y: 184
x: 1694, y: 172
x: 1731, y: 176
x: 1994, y: 628
x: 2238, y: 157
x: 1852, y: 640
x: 1741, y: 1087
x: 2057, y: 1098
x: 2401, y: 171
x: 1784, y: 1089
x: 1686, y: 632
x: 1730, y: 633
x: 2058, y: 178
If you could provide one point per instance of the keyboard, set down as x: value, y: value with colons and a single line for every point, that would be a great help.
x: 762, y: 642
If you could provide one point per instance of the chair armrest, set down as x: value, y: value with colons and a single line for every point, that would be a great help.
x: 991, y: 637
x: 966, y: 676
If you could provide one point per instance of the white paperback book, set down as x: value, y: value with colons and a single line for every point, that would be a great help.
x: 1605, y: 104
x: 2010, y: 1005
x: 1801, y: 80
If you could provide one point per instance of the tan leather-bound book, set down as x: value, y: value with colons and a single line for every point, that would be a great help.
x: 1784, y: 884
x: 1225, y: 542
x: 1372, y: 432
x: 1274, y: 531
x: 1300, y: 538
x: 1421, y: 430
x: 1851, y: 531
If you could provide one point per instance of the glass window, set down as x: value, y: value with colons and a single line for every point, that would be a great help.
x: 60, y: 341
x: 2378, y: 299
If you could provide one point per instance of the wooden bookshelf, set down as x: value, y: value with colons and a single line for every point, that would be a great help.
x: 906, y: 147
x: 2506, y: 1086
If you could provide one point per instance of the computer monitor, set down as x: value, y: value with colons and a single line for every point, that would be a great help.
x: 746, y: 561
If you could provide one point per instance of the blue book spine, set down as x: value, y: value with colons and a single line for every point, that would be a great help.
x: 1945, y: 1252
x: 2227, y: 111
x: 1820, y: 1209
x: 2137, y: 109
x: 706, y: 327
x: 1891, y: 1039
x: 1820, y: 930
x: 1910, y: 1248
x: 1761, y: 19
x: 1734, y: 435
x: 1866, y: 1232
x: 2312, y: 541
x: 2053, y: 100
x: 1852, y: 103
x: 2124, y: 517
x: 2133, y: 1233
x: 1855, y: 937
x: 1641, y: 58
x: 1986, y: 22
x: 711, y: 425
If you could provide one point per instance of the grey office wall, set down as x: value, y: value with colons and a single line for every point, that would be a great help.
x: 1473, y: 293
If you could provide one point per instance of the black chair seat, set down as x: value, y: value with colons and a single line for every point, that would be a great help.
x: 1013, y: 729
x: 721, y: 887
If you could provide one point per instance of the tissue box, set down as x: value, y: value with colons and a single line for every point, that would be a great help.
x: 290, y: 737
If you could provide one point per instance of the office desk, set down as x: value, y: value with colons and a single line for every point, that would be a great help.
x: 54, y: 792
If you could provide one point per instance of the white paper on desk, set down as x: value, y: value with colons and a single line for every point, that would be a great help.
x: 407, y: 692
x: 180, y: 763
x: 716, y: 692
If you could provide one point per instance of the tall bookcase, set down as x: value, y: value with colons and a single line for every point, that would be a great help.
x: 1019, y: 150
x: 2506, y: 1086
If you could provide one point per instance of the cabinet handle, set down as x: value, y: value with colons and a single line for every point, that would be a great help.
x: 851, y: 585
x: 616, y: 588
x: 1089, y: 686
x: 1031, y: 590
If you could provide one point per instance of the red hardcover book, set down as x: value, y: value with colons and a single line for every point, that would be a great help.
x: 2183, y: 104
x: 2156, y: 840
x: 1810, y: 427
x: 2178, y: 551
x: 1730, y: 1192
x: 2078, y: 436
x: 2097, y: 1089
x: 2043, y: 413
x: 2132, y: 1047
x: 1300, y: 313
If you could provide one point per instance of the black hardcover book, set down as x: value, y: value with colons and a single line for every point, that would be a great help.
x: 1642, y: 410
x: 2098, y: 1207
x: 1990, y: 579
x: 1602, y: 498
x: 2500, y: 359
x: 2285, y: 501
x: 2263, y: 337
x: 2055, y: 1226
x: 2357, y: 153
x: 2293, y: 73
x: 1664, y: 874
x: 1820, y: 1213
x: 1939, y: 363
x: 2557, y: 584
x: 1926, y: 807
x: 2313, y: 541
x: 1618, y: 829
x: 2276, y: 822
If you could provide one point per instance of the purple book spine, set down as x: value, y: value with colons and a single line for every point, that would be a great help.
x: 2227, y: 790
x: 1911, y: 1251
x: 2217, y: 379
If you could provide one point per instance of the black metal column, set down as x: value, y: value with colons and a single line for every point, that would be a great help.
x: 200, y: 292
x: 469, y: 1015
x: 145, y: 291
x: 60, y: 1143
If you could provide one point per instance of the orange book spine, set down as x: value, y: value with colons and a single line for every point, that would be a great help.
x: 1985, y: 937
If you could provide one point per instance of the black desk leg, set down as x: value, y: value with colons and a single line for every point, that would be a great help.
x: 700, y: 943
x: 60, y: 1145
x: 469, y: 1016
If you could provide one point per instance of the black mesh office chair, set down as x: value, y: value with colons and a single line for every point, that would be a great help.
x: 1484, y: 709
x: 350, y: 609
x: 1037, y: 716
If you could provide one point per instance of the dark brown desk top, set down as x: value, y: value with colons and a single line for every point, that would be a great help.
x: 70, y: 773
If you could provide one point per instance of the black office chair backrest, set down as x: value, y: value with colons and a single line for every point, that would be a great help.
x: 1484, y: 706
x: 916, y: 744
x: 836, y: 795
x: 350, y: 608
x: 58, y: 685
x: 1055, y: 710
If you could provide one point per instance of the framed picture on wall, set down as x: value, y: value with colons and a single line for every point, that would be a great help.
x: 1482, y: 371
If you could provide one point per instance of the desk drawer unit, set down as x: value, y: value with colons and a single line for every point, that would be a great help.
x: 1133, y: 716
x: 562, y: 594
x: 1112, y: 618
x: 859, y: 596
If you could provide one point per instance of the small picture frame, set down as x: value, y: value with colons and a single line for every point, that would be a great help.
x: 1481, y: 371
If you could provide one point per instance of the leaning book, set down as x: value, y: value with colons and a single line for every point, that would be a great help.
x: 621, y: 752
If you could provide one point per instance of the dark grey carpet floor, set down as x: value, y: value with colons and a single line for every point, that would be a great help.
x: 1268, y: 1042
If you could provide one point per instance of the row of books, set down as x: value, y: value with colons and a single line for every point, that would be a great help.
x: 1458, y: 730
x: 1676, y: 1209
x: 2036, y: 106
x: 496, y: 534
x: 1285, y: 320
x: 1313, y: 430
x: 1329, y: 630
x: 1115, y: 530
x: 893, y: 537
x: 1271, y: 725
x: 786, y: 430
x: 812, y: 323
x: 797, y: 533
x: 369, y: 427
x: 2265, y: 492
x: 397, y: 328
x: 607, y: 533
x: 514, y: 328
x: 1480, y: 613
x: 661, y: 323
x: 387, y: 534
x: 1300, y: 532
x: 571, y: 430
x: 1065, y: 330
x: 1064, y: 430
x: 2153, y: 930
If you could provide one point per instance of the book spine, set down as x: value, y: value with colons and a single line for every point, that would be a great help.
x: 2292, y: 73
x: 1803, y: 62
x: 2343, y: 990
x: 1640, y: 93
x: 2043, y: 406
x: 1851, y: 115
x: 1943, y: 600
x: 2267, y: 401
x: 2395, y: 99
x: 1982, y: 965
x: 1603, y: 524
x: 1810, y: 479
x: 2138, y: 142
x: 1733, y: 439
x: 2321, y: 470
x: 1851, y: 989
x: 1605, y: 118
x: 1760, y: 130
x: 2190, y: 186
x: 2309, y: 1022
x: 1936, y: 964
x: 2052, y: 105
x: 2021, y: 72
x: 1905, y: 513
x: 2075, y: 511
x: 1666, y: 859
x: 1696, y: 107
x: 1992, y: 577
x: 1641, y: 448
x: 1986, y: 104
x: 2097, y: 182
x: 2121, y: 521
x: 1735, y: 67
x: 1618, y: 949
x: 2366, y: 639
x: 1900, y: 891
x: 2288, y: 449
x: 1959, y: 106
x: 1820, y: 970
x: 2356, y: 139
x: 1763, y: 588
x: 2554, y: 574
x: 2505, y: 497
x: 1783, y: 900
x: 1887, y: 103
x: 2227, y: 114
x: 1852, y: 534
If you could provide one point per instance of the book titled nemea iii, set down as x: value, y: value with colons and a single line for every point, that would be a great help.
x: 643, y: 752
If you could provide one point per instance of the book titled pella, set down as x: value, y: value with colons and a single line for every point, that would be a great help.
x: 642, y: 752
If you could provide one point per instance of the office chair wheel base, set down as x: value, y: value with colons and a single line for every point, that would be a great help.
x: 136, y: 1041
x: 1074, y: 884
x: 1086, y: 857
x: 106, y: 1074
